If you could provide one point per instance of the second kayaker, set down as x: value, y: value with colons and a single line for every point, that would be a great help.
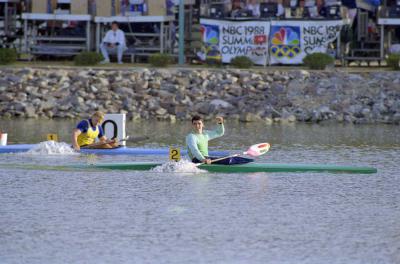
x: 197, y: 140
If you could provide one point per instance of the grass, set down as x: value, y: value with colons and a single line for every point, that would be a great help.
x: 69, y: 64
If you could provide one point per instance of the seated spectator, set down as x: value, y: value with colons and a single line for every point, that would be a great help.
x: 236, y: 7
x: 113, y: 42
x: 310, y: 9
x: 254, y: 7
x: 300, y: 9
x: 280, y: 10
x: 321, y: 8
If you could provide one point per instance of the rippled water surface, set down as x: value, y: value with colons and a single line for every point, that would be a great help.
x: 69, y: 216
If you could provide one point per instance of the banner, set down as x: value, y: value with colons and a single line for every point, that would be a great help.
x: 223, y: 40
x: 291, y: 41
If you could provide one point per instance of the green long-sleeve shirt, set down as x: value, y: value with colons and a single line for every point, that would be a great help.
x: 197, y: 144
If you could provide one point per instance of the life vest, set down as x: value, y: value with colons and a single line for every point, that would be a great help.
x: 88, y: 137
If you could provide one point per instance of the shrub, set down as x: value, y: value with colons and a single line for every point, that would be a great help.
x: 87, y: 58
x: 7, y: 56
x: 318, y: 60
x: 160, y: 60
x: 241, y: 62
x: 393, y: 61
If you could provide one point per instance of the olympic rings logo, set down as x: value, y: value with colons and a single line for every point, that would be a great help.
x: 281, y: 51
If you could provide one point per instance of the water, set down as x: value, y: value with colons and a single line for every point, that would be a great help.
x: 51, y: 216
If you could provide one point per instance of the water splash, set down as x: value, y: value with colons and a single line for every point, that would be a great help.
x: 180, y: 166
x: 52, y: 148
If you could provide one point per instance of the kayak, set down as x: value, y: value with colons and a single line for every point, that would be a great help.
x: 117, y: 151
x: 239, y: 168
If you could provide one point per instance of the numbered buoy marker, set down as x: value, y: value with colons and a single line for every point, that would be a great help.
x: 174, y: 154
x: 53, y: 137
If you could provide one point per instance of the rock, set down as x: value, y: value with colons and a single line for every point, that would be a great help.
x: 125, y: 91
x: 268, y: 121
x: 142, y: 85
x: 184, y: 81
x: 156, y: 84
x: 355, y: 77
x: 355, y: 109
x: 249, y: 117
x: 295, y: 87
x: 30, y: 111
x: 235, y: 90
x: 14, y: 79
x: 291, y: 118
x: 232, y: 79
x: 5, y: 97
x: 103, y: 81
x: 161, y: 111
x: 302, y: 114
x: 277, y: 88
x: 203, y: 108
x: 171, y: 118
x: 135, y: 117
x: 348, y: 118
x: 218, y: 103
x: 396, y: 118
x: 366, y: 112
x: 165, y: 94
x: 204, y: 75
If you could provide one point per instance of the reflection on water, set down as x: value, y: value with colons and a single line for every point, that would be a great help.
x: 50, y: 216
x: 237, y: 134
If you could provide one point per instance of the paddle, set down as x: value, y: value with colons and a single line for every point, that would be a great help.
x: 128, y: 139
x: 104, y: 143
x: 253, y: 151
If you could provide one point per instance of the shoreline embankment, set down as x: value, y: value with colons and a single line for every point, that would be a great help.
x: 260, y: 95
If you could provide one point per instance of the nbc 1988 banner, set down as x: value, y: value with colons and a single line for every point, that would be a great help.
x: 291, y: 41
x: 276, y: 42
x: 224, y: 40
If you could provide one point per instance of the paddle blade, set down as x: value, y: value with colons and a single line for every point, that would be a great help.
x: 257, y: 149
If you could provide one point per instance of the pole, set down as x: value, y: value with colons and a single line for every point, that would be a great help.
x: 181, y: 32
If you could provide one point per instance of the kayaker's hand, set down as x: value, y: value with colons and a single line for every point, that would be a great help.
x: 207, y: 161
x: 77, y: 148
x: 219, y: 119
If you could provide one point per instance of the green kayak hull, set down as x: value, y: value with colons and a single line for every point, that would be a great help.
x: 241, y: 168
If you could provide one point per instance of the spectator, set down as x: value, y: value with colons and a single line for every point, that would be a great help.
x: 113, y: 42
x: 321, y: 8
x: 236, y: 7
x: 254, y: 7
x: 352, y: 9
x: 300, y: 9
x: 280, y: 9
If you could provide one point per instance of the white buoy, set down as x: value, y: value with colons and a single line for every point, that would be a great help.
x: 114, y: 126
x: 3, y: 139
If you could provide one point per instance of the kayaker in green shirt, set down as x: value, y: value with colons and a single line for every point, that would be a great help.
x: 197, y: 143
x: 197, y: 140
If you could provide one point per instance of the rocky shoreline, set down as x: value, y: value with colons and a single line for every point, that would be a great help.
x: 175, y: 94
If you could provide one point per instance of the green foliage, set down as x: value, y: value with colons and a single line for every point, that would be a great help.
x: 7, y: 56
x: 87, y: 58
x: 241, y: 62
x: 393, y: 61
x: 160, y: 60
x: 318, y: 60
